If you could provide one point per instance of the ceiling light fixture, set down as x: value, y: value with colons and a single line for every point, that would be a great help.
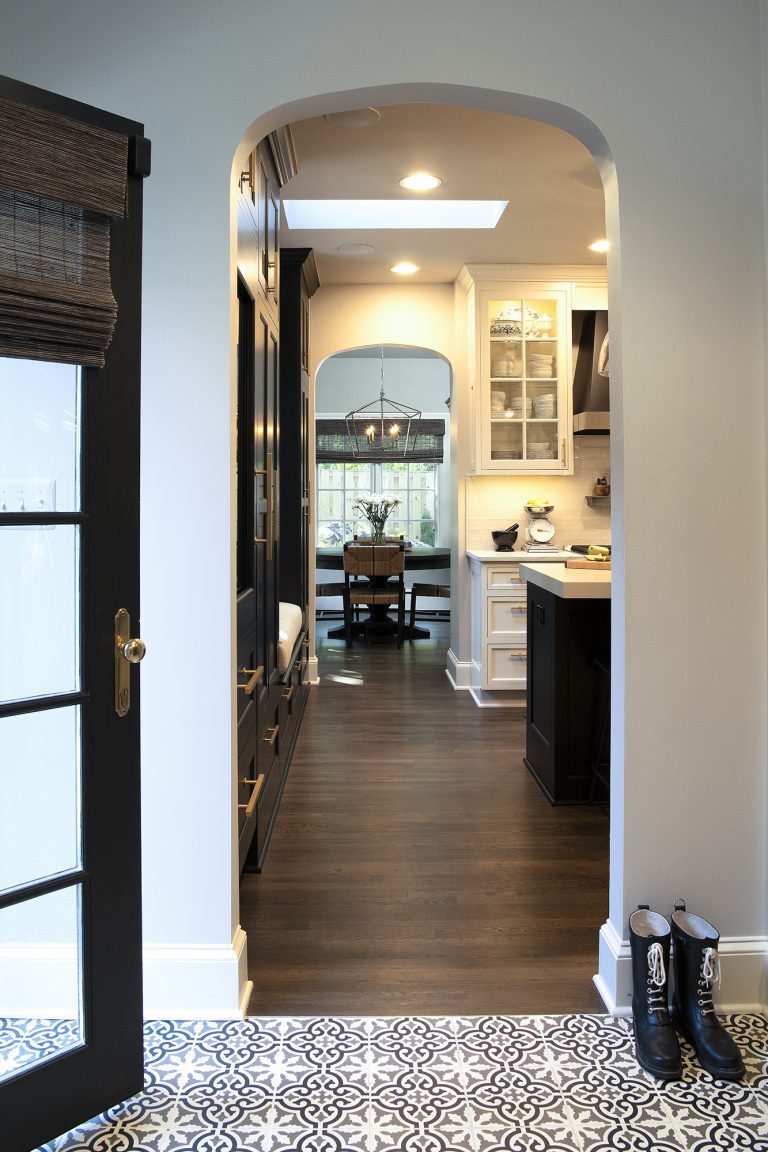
x: 599, y: 246
x: 405, y: 268
x: 420, y: 182
x: 382, y: 426
x: 346, y: 215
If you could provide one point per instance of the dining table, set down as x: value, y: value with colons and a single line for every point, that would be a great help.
x: 416, y: 559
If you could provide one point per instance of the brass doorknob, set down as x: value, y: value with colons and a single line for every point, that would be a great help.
x: 134, y: 650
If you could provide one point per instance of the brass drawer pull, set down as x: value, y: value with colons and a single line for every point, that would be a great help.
x: 258, y: 784
x: 255, y: 675
x: 518, y: 607
x: 517, y: 652
x: 287, y: 694
x: 271, y: 736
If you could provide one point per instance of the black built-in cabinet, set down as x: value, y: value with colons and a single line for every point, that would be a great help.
x: 271, y: 545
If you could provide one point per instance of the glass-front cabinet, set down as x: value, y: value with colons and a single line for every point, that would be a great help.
x: 522, y: 400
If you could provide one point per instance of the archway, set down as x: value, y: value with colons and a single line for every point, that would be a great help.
x: 572, y: 122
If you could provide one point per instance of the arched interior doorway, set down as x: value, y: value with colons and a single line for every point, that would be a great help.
x: 541, y: 110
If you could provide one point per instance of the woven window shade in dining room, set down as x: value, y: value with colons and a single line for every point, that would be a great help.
x: 335, y: 444
x: 61, y: 181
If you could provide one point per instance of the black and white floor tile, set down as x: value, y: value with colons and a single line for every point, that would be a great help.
x: 417, y: 1084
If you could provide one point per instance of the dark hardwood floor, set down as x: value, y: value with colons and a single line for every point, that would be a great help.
x: 415, y: 867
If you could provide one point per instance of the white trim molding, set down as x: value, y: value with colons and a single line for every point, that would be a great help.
x: 743, y: 970
x: 197, y: 982
x: 458, y: 672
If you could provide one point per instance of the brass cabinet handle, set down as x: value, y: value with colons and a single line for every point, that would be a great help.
x: 518, y: 652
x: 565, y: 455
x: 287, y: 693
x: 271, y: 736
x: 269, y: 515
x: 253, y: 800
x: 255, y: 675
x: 518, y: 607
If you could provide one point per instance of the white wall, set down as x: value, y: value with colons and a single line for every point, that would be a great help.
x: 675, y: 91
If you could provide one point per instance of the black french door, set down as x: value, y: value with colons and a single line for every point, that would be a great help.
x: 70, y: 898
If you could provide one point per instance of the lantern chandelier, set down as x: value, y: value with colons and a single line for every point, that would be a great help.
x: 382, y: 426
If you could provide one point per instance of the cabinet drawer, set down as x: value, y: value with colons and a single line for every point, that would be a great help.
x: 506, y: 666
x: 504, y: 576
x: 506, y: 616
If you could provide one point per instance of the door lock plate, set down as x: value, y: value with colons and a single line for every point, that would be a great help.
x: 128, y: 650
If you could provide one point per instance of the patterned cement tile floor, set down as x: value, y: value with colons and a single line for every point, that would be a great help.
x: 528, y: 1083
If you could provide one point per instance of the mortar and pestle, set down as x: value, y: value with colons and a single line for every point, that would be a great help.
x: 504, y: 541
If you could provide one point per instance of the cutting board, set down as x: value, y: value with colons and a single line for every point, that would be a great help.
x: 592, y: 565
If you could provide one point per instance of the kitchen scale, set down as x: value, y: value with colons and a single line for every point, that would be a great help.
x: 540, y: 528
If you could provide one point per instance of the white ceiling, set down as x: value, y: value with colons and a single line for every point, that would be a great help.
x: 555, y: 210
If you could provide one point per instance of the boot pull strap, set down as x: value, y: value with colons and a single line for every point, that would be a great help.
x: 679, y: 905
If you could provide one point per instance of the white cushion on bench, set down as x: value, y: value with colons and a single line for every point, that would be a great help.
x: 290, y: 620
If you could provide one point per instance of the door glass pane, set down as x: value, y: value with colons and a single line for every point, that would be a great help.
x: 39, y: 611
x: 40, y: 978
x: 39, y: 437
x: 40, y: 808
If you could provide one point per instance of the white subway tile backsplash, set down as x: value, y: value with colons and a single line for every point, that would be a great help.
x: 494, y: 502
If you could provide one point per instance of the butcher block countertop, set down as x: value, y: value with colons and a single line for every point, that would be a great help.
x: 569, y: 583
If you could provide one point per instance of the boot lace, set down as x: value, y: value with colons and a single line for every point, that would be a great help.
x: 708, y: 977
x: 657, y: 978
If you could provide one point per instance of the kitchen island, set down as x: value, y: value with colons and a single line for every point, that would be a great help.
x: 569, y: 639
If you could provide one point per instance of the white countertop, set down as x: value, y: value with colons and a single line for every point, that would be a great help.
x: 569, y: 583
x: 520, y: 557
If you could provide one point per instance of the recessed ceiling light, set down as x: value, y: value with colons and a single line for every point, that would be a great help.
x: 599, y: 246
x: 368, y: 214
x: 420, y: 182
x: 405, y: 268
x: 356, y: 249
x: 354, y: 118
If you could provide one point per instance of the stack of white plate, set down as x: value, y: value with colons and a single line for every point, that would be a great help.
x: 539, y: 365
x: 540, y: 450
x: 497, y: 403
x: 518, y: 407
x: 544, y: 406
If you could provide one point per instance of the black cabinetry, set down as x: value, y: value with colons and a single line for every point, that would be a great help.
x: 564, y: 691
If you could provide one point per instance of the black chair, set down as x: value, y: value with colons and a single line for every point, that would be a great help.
x: 432, y: 590
x: 384, y: 567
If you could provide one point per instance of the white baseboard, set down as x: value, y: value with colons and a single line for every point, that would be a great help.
x: 193, y: 982
x: 313, y: 670
x: 743, y: 971
x: 458, y: 672
x: 485, y: 699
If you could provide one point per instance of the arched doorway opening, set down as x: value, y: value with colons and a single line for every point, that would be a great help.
x: 542, y: 110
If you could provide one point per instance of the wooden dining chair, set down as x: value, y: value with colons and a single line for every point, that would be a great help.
x: 384, y: 567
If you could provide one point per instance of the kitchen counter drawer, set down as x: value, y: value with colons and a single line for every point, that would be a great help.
x: 506, y: 616
x: 505, y: 576
x: 506, y: 666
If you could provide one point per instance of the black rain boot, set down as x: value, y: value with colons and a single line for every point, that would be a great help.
x: 696, y: 967
x: 656, y: 1044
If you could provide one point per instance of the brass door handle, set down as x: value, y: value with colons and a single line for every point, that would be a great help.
x: 255, y: 675
x: 269, y: 492
x: 128, y: 650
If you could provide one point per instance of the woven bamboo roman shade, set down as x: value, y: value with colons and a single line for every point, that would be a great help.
x: 61, y: 180
x: 335, y: 444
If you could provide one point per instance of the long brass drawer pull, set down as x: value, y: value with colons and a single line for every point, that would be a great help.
x: 271, y: 736
x: 518, y: 607
x: 287, y: 693
x: 255, y: 675
x: 518, y: 652
x: 258, y: 784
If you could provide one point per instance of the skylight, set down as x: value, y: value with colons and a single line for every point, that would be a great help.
x: 350, y: 214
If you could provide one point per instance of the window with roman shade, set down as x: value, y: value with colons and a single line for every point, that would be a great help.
x: 61, y: 181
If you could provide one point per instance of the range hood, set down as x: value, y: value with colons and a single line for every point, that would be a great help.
x: 591, y: 392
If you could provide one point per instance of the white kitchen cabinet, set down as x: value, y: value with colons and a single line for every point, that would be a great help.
x: 499, y: 627
x: 522, y: 365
